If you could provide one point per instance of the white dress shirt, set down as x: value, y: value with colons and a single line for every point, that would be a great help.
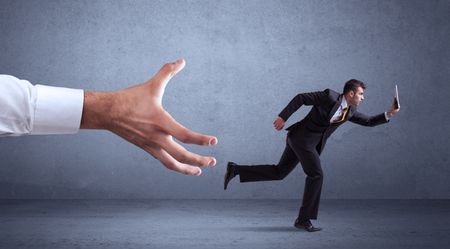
x: 338, y: 113
x: 28, y: 109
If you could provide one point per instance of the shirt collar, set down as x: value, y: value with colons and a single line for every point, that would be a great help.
x: 343, y: 103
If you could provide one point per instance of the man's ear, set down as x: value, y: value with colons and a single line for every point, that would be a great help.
x: 351, y: 94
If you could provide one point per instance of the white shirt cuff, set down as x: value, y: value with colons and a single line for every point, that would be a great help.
x: 58, y: 110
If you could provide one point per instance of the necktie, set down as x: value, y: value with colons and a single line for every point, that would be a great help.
x: 343, y: 115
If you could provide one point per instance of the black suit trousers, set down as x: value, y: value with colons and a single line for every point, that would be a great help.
x: 292, y: 155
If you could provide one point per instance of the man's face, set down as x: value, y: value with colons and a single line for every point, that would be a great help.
x: 355, y: 98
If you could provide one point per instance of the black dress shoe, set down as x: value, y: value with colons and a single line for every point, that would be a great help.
x: 229, y: 174
x: 307, y: 225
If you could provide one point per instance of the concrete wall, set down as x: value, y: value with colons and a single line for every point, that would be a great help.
x: 245, y: 61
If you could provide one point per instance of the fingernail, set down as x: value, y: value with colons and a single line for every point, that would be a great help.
x: 212, y: 162
x: 198, y: 172
x: 213, y: 141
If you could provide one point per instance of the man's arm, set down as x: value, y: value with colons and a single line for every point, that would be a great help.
x: 365, y: 120
x: 135, y: 114
x: 382, y: 118
x: 312, y: 98
x: 38, y: 110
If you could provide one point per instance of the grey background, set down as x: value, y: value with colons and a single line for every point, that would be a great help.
x: 245, y: 61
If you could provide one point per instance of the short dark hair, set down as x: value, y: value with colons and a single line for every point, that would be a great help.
x: 352, y: 85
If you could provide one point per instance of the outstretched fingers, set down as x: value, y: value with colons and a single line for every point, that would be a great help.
x: 184, y: 156
x: 164, y: 148
x: 185, y: 135
x: 169, y: 162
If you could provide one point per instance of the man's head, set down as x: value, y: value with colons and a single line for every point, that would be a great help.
x: 354, y: 92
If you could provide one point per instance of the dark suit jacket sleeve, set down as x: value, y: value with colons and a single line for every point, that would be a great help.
x: 363, y: 119
x: 312, y: 98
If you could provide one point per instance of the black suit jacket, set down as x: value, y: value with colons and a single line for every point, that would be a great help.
x: 313, y: 131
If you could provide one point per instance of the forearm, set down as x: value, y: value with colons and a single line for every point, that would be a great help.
x: 378, y: 119
x: 362, y: 119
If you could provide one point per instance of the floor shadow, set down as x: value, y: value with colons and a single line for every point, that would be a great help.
x: 268, y: 229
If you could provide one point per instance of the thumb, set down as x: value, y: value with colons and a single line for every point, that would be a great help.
x: 163, y: 76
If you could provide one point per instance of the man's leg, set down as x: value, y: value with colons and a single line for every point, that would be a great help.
x: 287, y: 163
x: 310, y: 162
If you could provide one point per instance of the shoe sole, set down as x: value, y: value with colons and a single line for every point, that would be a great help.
x: 304, y: 228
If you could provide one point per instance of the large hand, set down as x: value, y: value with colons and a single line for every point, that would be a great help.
x: 137, y: 115
x: 278, y: 123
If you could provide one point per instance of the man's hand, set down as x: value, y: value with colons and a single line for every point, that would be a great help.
x: 393, y: 110
x: 278, y: 123
x: 137, y: 115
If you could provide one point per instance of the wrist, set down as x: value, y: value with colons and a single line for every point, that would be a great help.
x: 97, y: 110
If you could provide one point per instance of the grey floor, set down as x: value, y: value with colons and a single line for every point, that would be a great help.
x: 222, y: 224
